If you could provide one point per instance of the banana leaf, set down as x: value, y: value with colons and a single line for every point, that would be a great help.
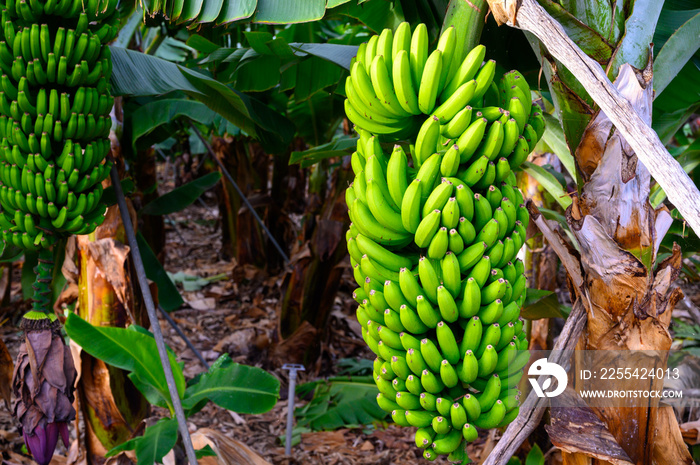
x: 340, y: 402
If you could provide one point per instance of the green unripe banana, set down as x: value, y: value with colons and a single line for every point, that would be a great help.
x: 440, y: 425
x: 413, y: 385
x: 428, y: 401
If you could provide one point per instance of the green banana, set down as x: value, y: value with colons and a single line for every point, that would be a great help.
x: 489, y: 395
x: 379, y: 206
x: 468, y: 369
x: 399, y: 417
x: 446, y: 44
x: 362, y: 217
x: 426, y: 141
x: 448, y: 343
x: 431, y: 383
x: 408, y: 401
x: 427, y: 314
x: 483, y: 80
x: 418, y: 53
x: 450, y: 161
x: 458, y: 124
x: 385, y: 403
x: 438, y: 245
x: 431, y: 354
x: 409, y: 285
x: 409, y: 342
x: 466, y: 71
x: 472, y: 335
x: 471, y: 256
x: 451, y: 273
x: 415, y: 361
x: 429, y: 278
x: 444, y: 444
x: 414, y: 385
x: 450, y: 213
x: 406, y: 94
x: 402, y: 40
x: 411, y: 206
x: 492, y: 418
x: 428, y: 89
x: 473, y: 174
x: 392, y: 319
x: 397, y: 175
x: 428, y: 173
x: 427, y: 229
x: 438, y: 197
x: 471, y: 299
x: 424, y: 437
x: 411, y: 321
x: 456, y: 243
x: 458, y: 416
x: 470, y: 140
x: 419, y: 418
x: 440, y: 425
x: 447, y: 305
x: 457, y: 101
x: 383, y: 87
x: 400, y: 367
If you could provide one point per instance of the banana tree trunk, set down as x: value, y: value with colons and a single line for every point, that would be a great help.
x: 242, y: 238
x: 310, y: 286
x: 629, y: 297
x: 152, y: 227
x: 111, y: 406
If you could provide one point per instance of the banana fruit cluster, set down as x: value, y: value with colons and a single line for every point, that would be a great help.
x: 55, y: 120
x: 434, y: 237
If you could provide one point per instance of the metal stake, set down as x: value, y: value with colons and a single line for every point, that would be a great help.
x: 293, y: 368
x: 153, y: 317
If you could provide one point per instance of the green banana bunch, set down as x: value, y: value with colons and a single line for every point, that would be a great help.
x: 437, y: 223
x: 55, y: 119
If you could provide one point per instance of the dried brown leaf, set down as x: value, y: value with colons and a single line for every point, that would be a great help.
x: 292, y: 349
x: 691, y: 432
x: 69, y: 269
x: 110, y: 257
x: 577, y: 430
x: 322, y: 441
x: 228, y: 451
x: 6, y: 369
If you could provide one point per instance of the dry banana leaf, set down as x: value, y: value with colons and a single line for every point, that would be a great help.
x: 228, y: 451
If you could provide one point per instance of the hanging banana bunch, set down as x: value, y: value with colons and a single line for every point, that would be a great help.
x: 55, y: 120
x: 54, y: 117
x: 434, y: 237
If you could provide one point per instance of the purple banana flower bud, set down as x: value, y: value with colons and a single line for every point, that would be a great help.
x: 42, y: 442
x: 42, y: 386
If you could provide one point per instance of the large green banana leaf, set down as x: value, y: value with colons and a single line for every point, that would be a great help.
x: 376, y: 14
x: 137, y: 74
